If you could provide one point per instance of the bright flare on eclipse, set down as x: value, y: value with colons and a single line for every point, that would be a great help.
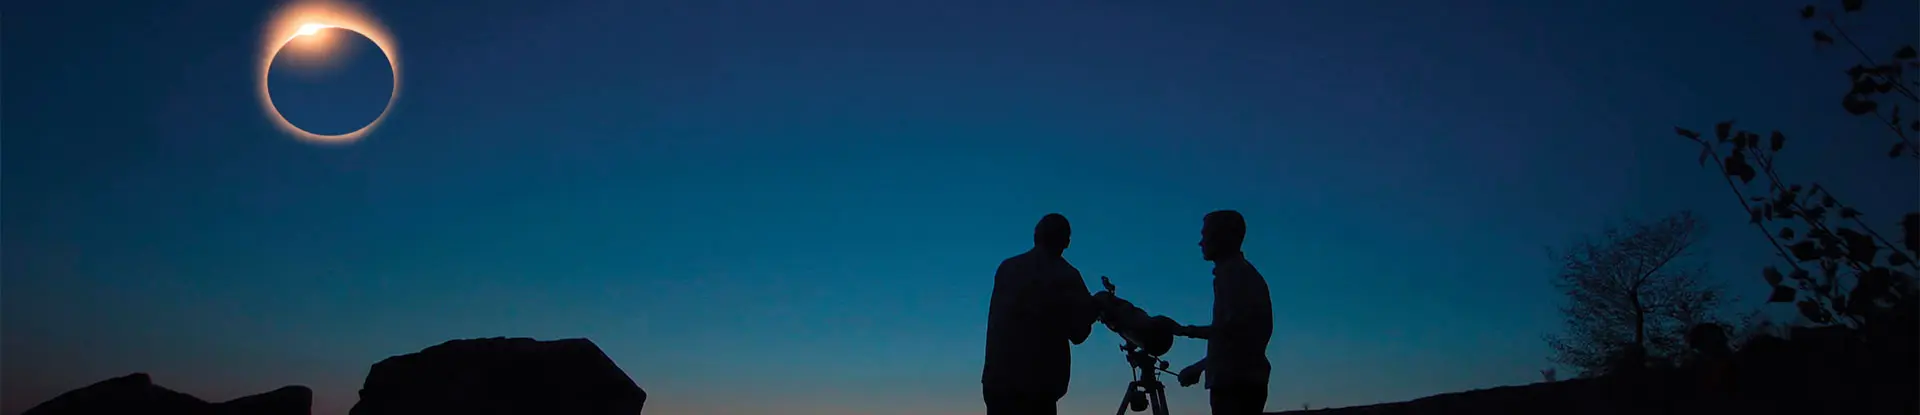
x: 307, y: 21
x: 310, y: 28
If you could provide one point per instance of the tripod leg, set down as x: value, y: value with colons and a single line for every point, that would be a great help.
x: 1160, y: 401
x: 1126, y: 399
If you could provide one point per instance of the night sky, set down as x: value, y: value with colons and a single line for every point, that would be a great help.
x: 797, y: 207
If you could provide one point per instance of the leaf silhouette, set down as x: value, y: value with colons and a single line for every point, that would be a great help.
x: 1910, y: 231
x: 1857, y: 106
x: 1865, y: 85
x: 1815, y: 214
x: 1848, y: 213
x: 1821, y: 37
x: 1860, y: 246
x: 1858, y: 71
x: 1850, y: 5
x: 1800, y: 275
x: 1805, y: 251
x: 1814, y: 312
x: 1686, y: 133
x: 1772, y: 275
x: 1781, y: 294
x: 1736, y: 165
x: 1900, y: 147
x: 1786, y: 200
x: 1905, y: 52
x: 1806, y: 12
x: 1779, y: 140
x: 1898, y: 259
x: 1786, y: 233
x: 1722, y: 129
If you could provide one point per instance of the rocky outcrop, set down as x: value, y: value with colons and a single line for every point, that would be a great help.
x: 136, y: 394
x: 501, y: 376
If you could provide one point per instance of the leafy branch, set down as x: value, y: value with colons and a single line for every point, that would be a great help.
x: 1873, y: 79
x: 1826, y: 246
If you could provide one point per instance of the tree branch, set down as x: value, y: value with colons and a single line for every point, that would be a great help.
x: 1742, y: 198
x: 1835, y: 24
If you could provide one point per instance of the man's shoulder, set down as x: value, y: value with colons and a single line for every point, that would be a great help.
x: 1250, y: 271
x: 1239, y: 271
x: 1257, y: 284
x: 1067, y: 267
x: 1021, y: 258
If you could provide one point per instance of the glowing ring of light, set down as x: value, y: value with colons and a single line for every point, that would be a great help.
x: 286, y: 26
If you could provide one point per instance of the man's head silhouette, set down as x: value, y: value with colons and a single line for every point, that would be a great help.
x: 1221, y: 233
x: 1053, y: 234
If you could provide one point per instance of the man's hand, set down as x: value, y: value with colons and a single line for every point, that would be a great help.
x: 1191, y: 374
x: 1102, y: 300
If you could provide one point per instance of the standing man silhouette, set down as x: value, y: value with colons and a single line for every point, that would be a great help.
x: 1236, y: 366
x: 1040, y: 305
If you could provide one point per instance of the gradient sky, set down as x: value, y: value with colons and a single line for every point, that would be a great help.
x: 797, y: 207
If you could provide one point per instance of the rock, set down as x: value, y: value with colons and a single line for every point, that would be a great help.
x: 287, y: 400
x: 136, y: 394
x: 501, y: 376
x: 128, y: 394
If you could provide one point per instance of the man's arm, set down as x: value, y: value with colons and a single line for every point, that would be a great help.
x: 1198, y: 332
x: 1079, y: 311
x: 1223, y: 310
x: 1192, y: 373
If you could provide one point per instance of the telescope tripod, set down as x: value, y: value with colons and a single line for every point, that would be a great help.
x: 1145, y: 392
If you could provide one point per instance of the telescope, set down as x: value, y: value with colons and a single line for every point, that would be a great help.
x: 1153, y: 335
x: 1147, y: 338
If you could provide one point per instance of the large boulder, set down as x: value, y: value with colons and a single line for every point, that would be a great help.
x: 501, y: 376
x: 136, y: 394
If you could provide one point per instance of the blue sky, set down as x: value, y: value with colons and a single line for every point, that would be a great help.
x: 797, y: 207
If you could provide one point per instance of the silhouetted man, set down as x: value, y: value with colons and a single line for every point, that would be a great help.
x: 1236, y: 366
x: 1039, y: 306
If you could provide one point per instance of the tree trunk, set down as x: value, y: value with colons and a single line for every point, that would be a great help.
x: 1639, y: 317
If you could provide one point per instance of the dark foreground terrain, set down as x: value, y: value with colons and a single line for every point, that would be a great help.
x: 1819, y: 371
x: 493, y: 376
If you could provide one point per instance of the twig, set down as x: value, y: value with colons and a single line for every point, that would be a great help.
x: 1766, y: 162
x: 1902, y: 134
x: 1742, y: 198
x: 1773, y: 178
x: 1835, y: 24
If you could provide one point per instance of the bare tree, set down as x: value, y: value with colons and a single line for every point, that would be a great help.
x: 1629, y: 300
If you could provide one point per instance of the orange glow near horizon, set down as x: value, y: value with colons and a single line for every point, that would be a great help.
x: 306, y: 21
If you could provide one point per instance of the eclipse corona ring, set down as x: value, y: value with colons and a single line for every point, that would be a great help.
x: 310, y: 19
